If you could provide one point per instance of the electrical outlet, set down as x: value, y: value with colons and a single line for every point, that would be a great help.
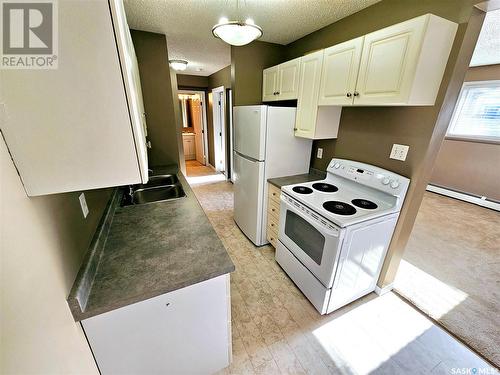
x: 83, y: 204
x: 319, y: 153
x: 399, y: 152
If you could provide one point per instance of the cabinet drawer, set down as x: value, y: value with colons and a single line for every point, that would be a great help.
x: 273, y: 208
x: 272, y: 237
x: 272, y: 223
x: 274, y: 193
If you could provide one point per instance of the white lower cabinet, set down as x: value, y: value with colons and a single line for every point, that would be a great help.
x: 189, y: 144
x: 187, y: 331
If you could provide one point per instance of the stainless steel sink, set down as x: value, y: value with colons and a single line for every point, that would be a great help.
x: 160, y: 180
x: 158, y: 194
x: 159, y: 188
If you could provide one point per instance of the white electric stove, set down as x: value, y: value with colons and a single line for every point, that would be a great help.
x: 334, y: 233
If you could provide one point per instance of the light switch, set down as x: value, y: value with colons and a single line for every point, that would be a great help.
x: 83, y: 204
x: 319, y: 153
x: 399, y: 152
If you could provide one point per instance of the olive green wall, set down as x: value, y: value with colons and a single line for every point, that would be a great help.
x: 470, y: 167
x: 157, y: 87
x: 191, y: 81
x: 43, y: 241
x: 367, y: 133
x: 247, y: 63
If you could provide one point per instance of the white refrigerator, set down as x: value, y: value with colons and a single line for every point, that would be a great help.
x: 264, y: 147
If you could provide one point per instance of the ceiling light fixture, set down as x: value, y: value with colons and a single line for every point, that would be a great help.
x: 237, y: 33
x: 178, y: 65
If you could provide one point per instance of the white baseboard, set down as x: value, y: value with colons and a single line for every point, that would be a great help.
x: 386, y: 289
x: 480, y: 201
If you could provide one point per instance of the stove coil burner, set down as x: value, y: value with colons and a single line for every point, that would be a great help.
x: 324, y: 187
x: 302, y: 190
x: 339, y: 208
x: 363, y: 203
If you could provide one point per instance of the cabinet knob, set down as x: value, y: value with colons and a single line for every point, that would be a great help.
x: 356, y: 93
x: 294, y: 129
x: 272, y: 224
x: 348, y: 94
x: 272, y: 209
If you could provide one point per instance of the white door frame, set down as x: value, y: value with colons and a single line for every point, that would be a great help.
x: 231, y: 134
x: 219, y: 128
x: 202, y: 95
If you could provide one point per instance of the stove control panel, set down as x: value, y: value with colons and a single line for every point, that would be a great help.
x: 370, y: 175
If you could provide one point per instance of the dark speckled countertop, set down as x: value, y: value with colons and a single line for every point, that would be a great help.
x: 143, y: 251
x: 313, y: 175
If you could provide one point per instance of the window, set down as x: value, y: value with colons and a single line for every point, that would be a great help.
x: 477, y: 114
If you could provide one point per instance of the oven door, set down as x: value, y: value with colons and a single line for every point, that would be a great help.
x: 313, y: 241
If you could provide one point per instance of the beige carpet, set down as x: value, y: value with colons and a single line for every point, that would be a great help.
x: 451, y: 270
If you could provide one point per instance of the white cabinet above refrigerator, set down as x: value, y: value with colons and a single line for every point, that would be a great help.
x: 80, y: 126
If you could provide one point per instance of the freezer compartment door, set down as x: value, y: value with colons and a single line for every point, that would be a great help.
x: 249, y: 196
x: 250, y: 131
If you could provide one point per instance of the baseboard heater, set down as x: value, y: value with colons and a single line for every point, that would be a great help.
x: 466, y: 197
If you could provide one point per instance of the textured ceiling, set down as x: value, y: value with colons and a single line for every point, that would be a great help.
x: 487, y: 49
x: 188, y: 23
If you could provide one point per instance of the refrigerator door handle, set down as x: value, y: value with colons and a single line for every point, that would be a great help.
x: 247, y: 157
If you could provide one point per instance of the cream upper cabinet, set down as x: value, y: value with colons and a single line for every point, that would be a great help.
x: 307, y: 102
x: 288, y: 84
x: 311, y: 121
x: 404, y: 64
x: 281, y: 82
x: 340, y: 72
x: 269, y: 84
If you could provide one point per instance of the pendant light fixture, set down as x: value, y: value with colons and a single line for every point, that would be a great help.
x: 178, y: 65
x: 237, y: 33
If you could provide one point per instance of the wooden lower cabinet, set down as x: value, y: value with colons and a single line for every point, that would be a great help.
x: 187, y: 331
x: 273, y: 214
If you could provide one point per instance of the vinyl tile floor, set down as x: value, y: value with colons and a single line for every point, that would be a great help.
x: 275, y: 330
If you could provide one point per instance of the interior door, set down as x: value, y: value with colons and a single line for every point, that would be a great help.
x: 307, y: 102
x: 248, y: 196
x: 219, y: 133
x: 288, y: 82
x: 339, y: 74
x: 388, y: 63
x: 196, y: 111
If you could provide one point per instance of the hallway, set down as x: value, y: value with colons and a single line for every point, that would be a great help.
x: 276, y: 330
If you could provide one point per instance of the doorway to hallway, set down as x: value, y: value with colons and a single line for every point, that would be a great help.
x: 194, y: 124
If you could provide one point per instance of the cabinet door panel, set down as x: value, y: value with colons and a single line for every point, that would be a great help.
x: 340, y: 71
x: 289, y: 80
x: 269, y: 84
x: 186, y: 331
x: 307, y: 104
x: 388, y: 63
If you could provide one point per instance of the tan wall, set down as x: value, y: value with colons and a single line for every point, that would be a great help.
x: 157, y: 92
x: 247, y: 63
x: 367, y: 133
x: 187, y: 80
x: 470, y: 167
x: 42, y: 243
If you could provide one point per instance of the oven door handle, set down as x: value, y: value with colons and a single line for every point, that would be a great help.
x: 310, y: 220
